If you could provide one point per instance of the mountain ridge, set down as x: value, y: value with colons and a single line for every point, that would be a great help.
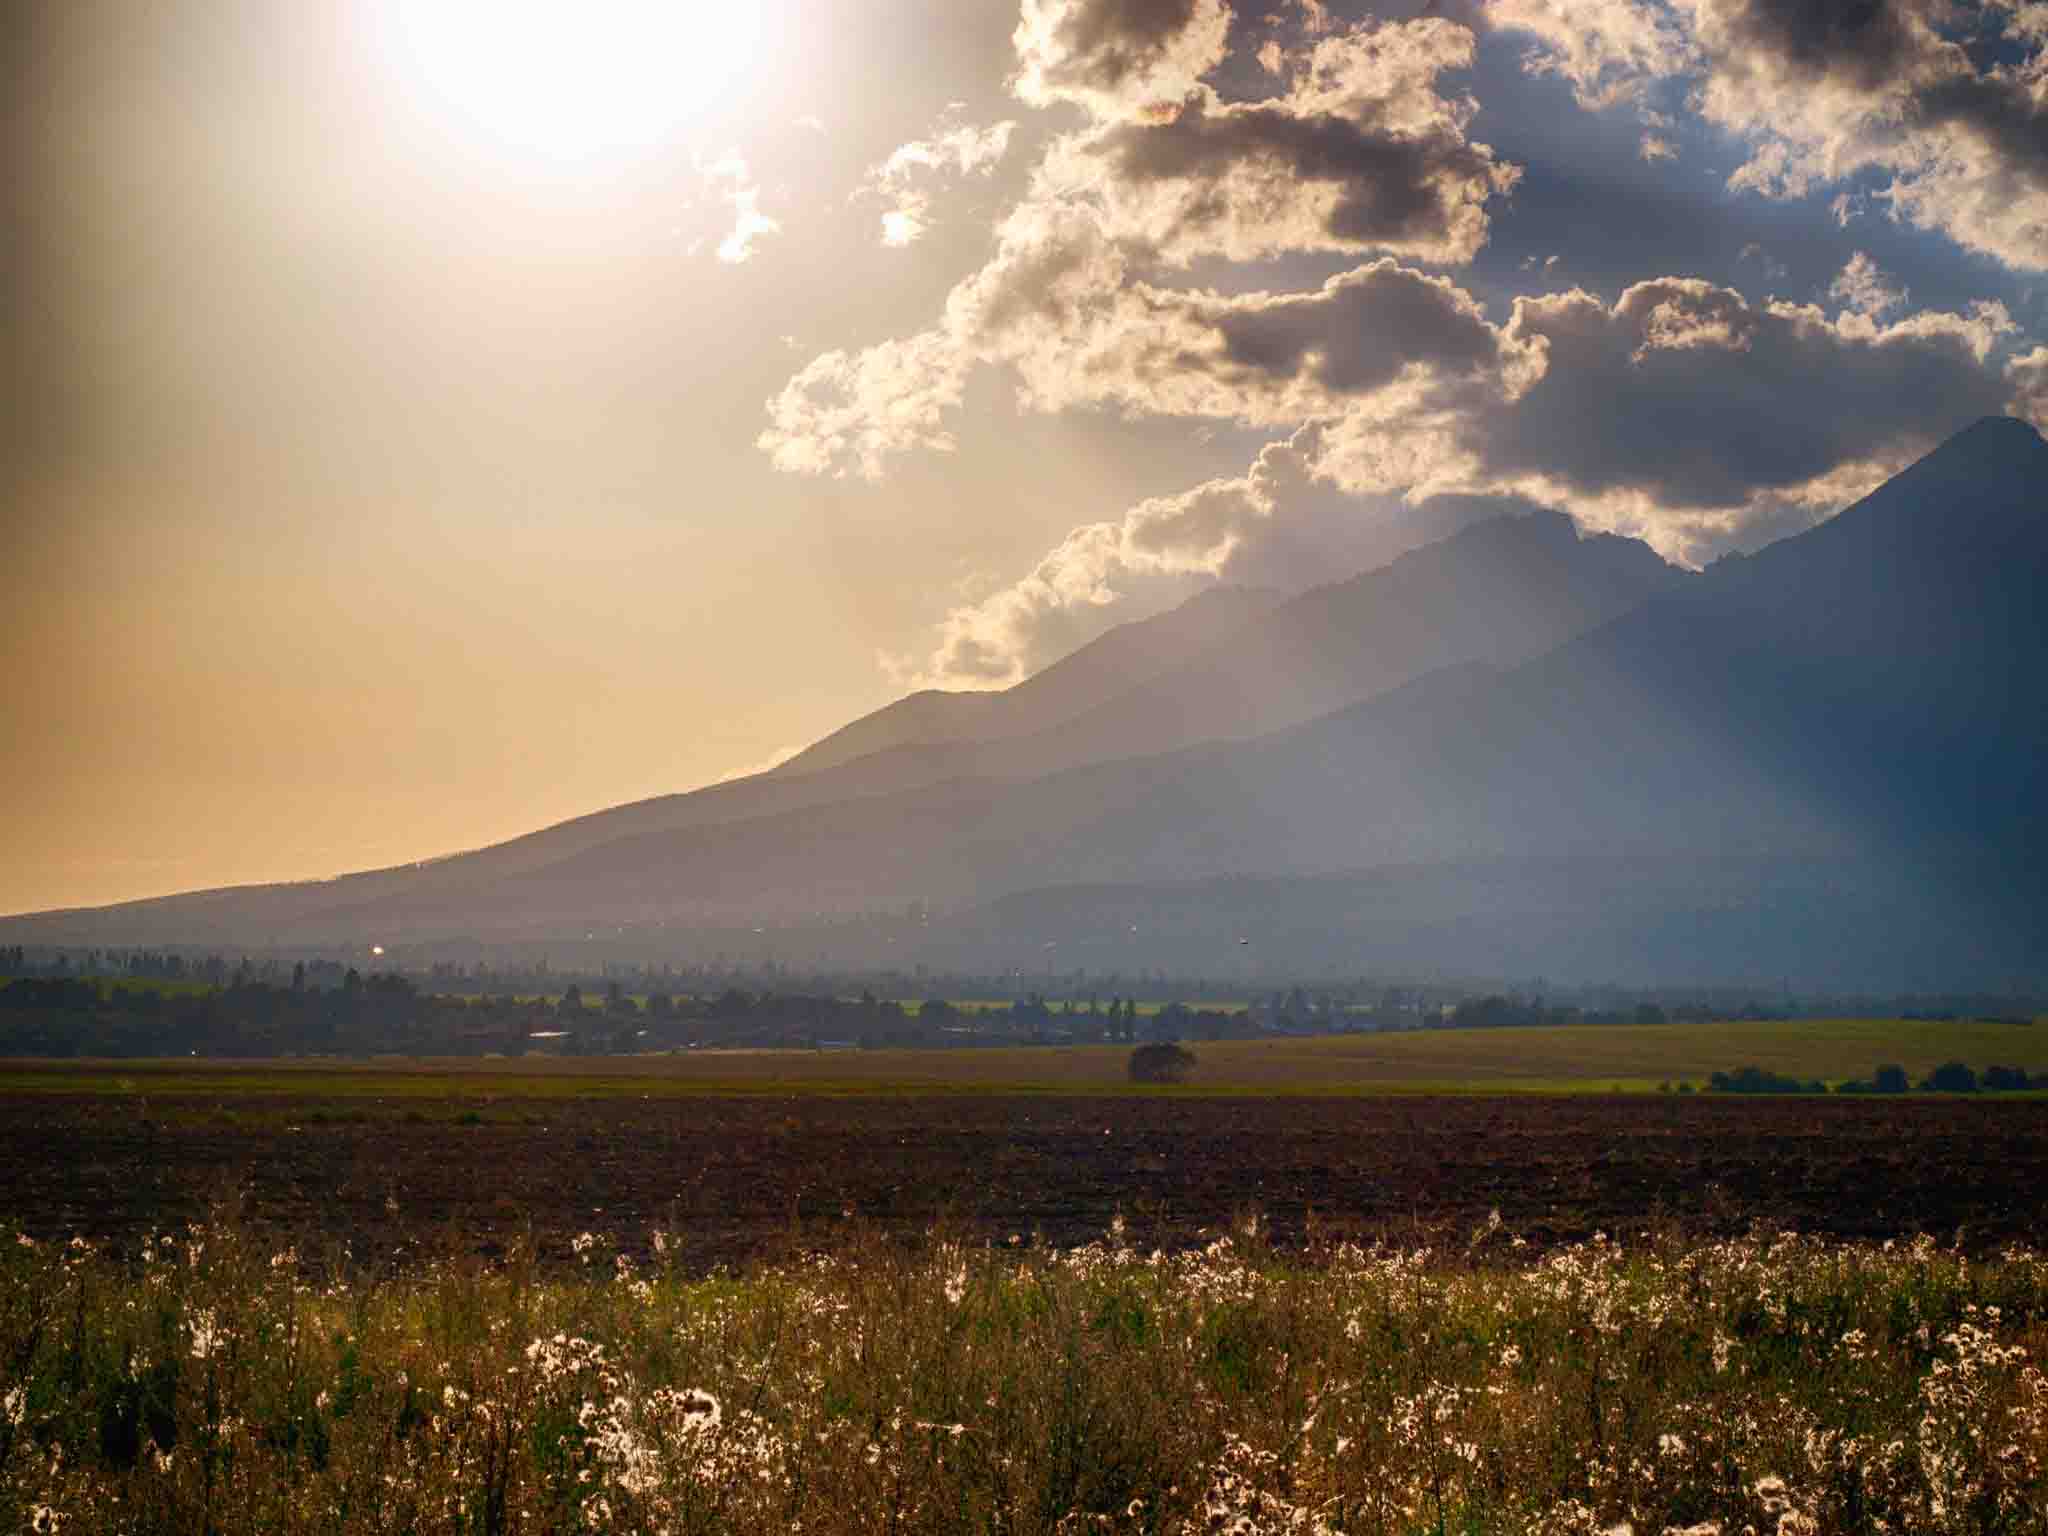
x: 1862, y: 696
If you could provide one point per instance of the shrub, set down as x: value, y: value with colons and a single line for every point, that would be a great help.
x: 2007, y: 1079
x: 1754, y: 1079
x: 1162, y: 1061
x: 1951, y: 1077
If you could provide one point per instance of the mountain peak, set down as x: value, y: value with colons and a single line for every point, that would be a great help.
x: 1997, y: 459
x: 1990, y: 429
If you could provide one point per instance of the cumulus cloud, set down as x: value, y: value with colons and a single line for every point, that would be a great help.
x: 1682, y: 413
x: 1160, y: 551
x: 1117, y: 58
x: 1275, y: 526
x: 1361, y: 152
x: 1830, y: 90
x: 907, y: 179
x: 1682, y: 407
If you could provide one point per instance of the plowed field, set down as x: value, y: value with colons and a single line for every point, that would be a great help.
x: 737, y: 1177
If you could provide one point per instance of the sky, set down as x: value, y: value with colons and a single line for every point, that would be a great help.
x: 426, y: 421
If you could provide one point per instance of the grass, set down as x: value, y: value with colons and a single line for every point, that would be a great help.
x: 1587, y: 1059
x: 219, y: 1381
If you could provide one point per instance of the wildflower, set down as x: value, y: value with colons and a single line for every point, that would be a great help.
x: 43, y: 1520
x: 15, y: 1405
x: 207, y: 1336
x: 1670, y: 1445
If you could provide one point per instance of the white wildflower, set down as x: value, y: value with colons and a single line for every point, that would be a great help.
x: 207, y: 1336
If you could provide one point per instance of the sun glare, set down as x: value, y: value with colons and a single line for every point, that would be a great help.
x: 569, y: 79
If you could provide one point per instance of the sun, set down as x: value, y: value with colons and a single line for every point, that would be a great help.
x: 572, y: 79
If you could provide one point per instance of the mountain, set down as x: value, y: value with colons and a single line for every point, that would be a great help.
x: 1111, y: 664
x: 1501, y: 591
x: 1824, y: 757
x: 1223, y: 663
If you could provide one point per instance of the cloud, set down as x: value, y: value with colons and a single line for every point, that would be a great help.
x: 1655, y: 147
x: 1158, y: 553
x: 1117, y: 58
x: 2028, y: 375
x: 1834, y: 89
x: 1682, y: 413
x: 1865, y: 289
x: 1682, y: 409
x: 1361, y: 152
x: 735, y: 186
x: 1831, y: 90
x: 1274, y: 526
x: 907, y: 178
x: 1609, y: 50
x: 852, y: 410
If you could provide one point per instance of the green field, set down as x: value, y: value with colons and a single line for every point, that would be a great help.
x: 1624, y: 1058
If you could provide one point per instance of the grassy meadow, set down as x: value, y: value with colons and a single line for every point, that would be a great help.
x: 212, y: 1381
x: 1579, y: 1059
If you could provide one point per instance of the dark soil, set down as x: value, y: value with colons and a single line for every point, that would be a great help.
x: 740, y: 1178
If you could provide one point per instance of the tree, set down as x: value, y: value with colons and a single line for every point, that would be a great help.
x: 1162, y: 1061
x: 1891, y: 1078
x: 1952, y: 1077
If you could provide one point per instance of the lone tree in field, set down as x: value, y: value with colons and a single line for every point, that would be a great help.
x: 1162, y: 1061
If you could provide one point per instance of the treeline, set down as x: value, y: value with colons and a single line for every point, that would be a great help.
x: 1949, y: 1077
x: 59, y: 1016
x: 389, y: 1014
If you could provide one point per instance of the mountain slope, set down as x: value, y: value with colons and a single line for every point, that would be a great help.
x: 1863, y: 696
x: 1099, y: 671
x: 1504, y: 590
x: 1861, y: 700
x: 1500, y: 591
